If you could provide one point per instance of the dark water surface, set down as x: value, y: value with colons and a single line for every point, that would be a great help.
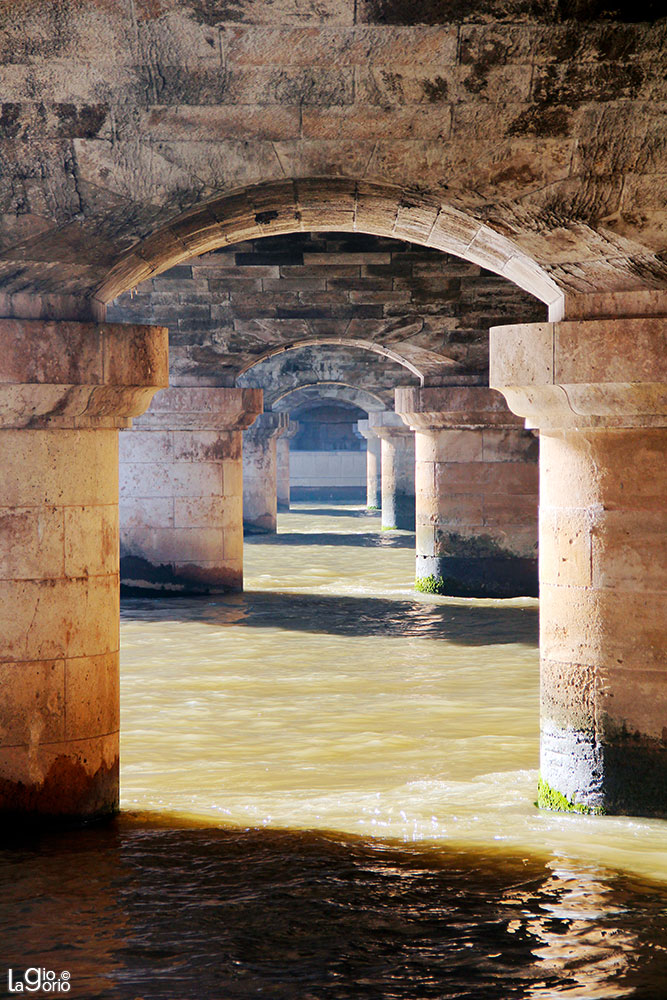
x: 147, y: 909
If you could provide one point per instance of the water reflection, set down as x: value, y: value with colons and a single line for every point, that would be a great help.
x: 163, y: 910
x: 330, y: 509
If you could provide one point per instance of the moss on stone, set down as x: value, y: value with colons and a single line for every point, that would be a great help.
x: 430, y: 584
x: 388, y: 529
x: 549, y: 798
x: 479, y: 546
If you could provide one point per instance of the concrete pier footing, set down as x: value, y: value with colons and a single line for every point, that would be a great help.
x: 66, y: 389
x: 398, y: 470
x: 477, y: 492
x: 596, y: 390
x: 181, y: 491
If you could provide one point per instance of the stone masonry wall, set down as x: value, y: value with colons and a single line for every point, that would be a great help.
x: 542, y: 120
x: 227, y: 309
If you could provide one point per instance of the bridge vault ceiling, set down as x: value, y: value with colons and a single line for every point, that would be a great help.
x: 412, y: 314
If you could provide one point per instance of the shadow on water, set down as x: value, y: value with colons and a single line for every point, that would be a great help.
x: 465, y: 624
x: 385, y: 539
x: 331, y: 510
x: 139, y: 908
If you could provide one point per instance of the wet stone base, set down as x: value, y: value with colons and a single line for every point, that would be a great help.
x: 260, y: 527
x: 483, y: 576
x: 554, y: 801
x: 141, y: 578
x: 627, y: 778
x: 398, y: 511
x: 68, y: 793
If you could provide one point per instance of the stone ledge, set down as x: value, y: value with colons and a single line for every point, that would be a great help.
x: 78, y: 375
x: 440, y: 407
x: 210, y: 408
x: 590, y: 373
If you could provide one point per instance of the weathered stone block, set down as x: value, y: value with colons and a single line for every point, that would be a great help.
x: 33, y: 704
x: 92, y: 696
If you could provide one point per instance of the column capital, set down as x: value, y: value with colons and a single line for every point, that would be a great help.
x: 584, y: 373
x: 387, y: 424
x: 267, y: 426
x: 442, y: 407
x: 365, y: 429
x: 207, y: 408
x: 74, y: 375
x: 292, y: 429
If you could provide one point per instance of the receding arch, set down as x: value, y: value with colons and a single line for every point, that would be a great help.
x: 419, y: 361
x: 334, y: 204
x: 371, y: 402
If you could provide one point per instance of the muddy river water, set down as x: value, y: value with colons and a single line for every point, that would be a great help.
x: 328, y: 789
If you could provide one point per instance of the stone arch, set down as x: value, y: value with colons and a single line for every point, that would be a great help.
x: 335, y: 204
x: 355, y: 395
x: 330, y: 367
x: 419, y: 361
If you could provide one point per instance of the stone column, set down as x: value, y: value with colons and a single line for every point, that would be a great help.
x: 260, y: 475
x: 596, y: 390
x: 181, y: 491
x: 398, y: 470
x: 65, y: 390
x: 282, y: 464
x: 373, y: 465
x: 477, y: 492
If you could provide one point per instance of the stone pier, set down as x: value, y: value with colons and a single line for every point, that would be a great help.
x: 476, y: 492
x: 181, y: 491
x: 596, y: 390
x: 66, y: 388
x: 398, y: 470
x: 260, y: 473
x: 283, y: 464
x: 373, y: 465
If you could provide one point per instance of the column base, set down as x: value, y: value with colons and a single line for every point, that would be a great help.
x: 580, y: 774
x: 399, y: 513
x: 141, y: 578
x: 264, y: 525
x: 70, y: 782
x: 482, y: 576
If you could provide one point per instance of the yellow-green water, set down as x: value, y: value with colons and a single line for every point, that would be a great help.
x: 331, y: 696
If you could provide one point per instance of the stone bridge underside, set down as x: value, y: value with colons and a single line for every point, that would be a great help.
x: 525, y: 137
x: 229, y: 309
